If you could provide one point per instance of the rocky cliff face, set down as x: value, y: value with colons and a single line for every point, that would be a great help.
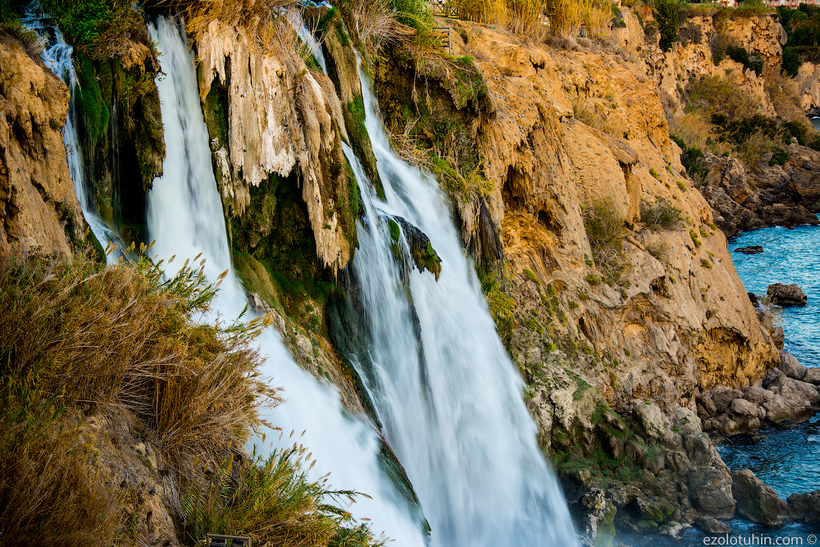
x: 677, y: 320
x: 280, y: 117
x: 38, y: 207
x: 615, y: 335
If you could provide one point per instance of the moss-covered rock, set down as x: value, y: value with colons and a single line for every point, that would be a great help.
x: 342, y: 67
x: 421, y: 248
x: 123, y: 142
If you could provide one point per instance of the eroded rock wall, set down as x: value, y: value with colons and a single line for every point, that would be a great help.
x: 281, y: 117
x: 38, y: 207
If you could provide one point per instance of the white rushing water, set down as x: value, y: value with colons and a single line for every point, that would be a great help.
x: 185, y: 217
x: 298, y: 23
x: 58, y: 56
x: 449, y: 398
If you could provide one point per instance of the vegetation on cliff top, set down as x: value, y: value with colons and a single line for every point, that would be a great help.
x: 123, y: 344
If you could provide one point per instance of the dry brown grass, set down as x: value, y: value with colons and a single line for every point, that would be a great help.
x: 785, y: 98
x: 375, y: 23
x: 565, y: 17
x: 50, y: 495
x: 121, y: 340
x: 127, y: 343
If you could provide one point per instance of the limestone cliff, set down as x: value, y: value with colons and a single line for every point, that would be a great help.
x: 281, y: 118
x: 678, y: 320
x: 38, y: 207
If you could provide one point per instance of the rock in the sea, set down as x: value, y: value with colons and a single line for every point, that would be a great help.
x: 710, y: 492
x: 750, y: 250
x: 786, y: 295
x: 753, y: 299
x: 805, y: 507
x: 756, y: 501
x: 812, y: 376
x: 711, y: 525
x: 594, y: 515
x: 790, y: 366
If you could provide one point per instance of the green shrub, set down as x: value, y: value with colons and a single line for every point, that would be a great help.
x: 96, y: 26
x: 692, y: 160
x: 661, y: 214
x: 501, y: 304
x: 749, y: 61
x: 605, y: 227
x: 666, y: 15
x: 694, y: 237
x: 779, y: 157
x: 593, y: 279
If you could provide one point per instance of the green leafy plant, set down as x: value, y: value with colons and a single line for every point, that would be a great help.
x: 661, y: 214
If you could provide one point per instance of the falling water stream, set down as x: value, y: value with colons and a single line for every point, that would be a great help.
x: 444, y: 389
x: 185, y: 218
x: 58, y: 56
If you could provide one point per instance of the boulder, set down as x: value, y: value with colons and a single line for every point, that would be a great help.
x: 676, y: 460
x: 712, y: 526
x: 756, y: 501
x: 750, y: 250
x: 686, y: 422
x: 812, y: 376
x: 757, y: 395
x: 654, y: 508
x: 792, y: 401
x: 790, y: 366
x: 745, y: 408
x: 710, y: 492
x: 652, y: 419
x: 805, y: 507
x: 786, y: 295
x: 781, y: 214
x: 706, y: 407
x: 753, y: 299
x: 701, y: 452
x: 623, y: 494
x: 778, y: 337
x: 594, y: 514
x: 723, y: 397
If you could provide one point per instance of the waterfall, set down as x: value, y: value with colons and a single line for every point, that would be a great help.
x: 443, y: 385
x: 298, y: 23
x: 185, y: 218
x: 58, y: 56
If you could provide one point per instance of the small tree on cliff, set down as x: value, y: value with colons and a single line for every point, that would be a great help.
x: 666, y: 14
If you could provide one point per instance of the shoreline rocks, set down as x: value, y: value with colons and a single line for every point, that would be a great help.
x: 786, y: 295
x: 750, y: 250
x: 784, y: 195
x: 787, y: 395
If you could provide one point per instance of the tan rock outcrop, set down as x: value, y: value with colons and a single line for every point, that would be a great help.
x: 38, y: 206
x: 568, y: 129
x: 281, y: 117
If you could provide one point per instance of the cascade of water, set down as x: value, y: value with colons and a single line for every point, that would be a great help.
x: 57, y: 55
x: 185, y: 218
x: 444, y: 388
x: 296, y: 21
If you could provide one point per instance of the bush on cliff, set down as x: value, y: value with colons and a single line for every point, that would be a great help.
x: 605, y: 230
x: 98, y: 27
x: 125, y: 343
x: 661, y: 214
